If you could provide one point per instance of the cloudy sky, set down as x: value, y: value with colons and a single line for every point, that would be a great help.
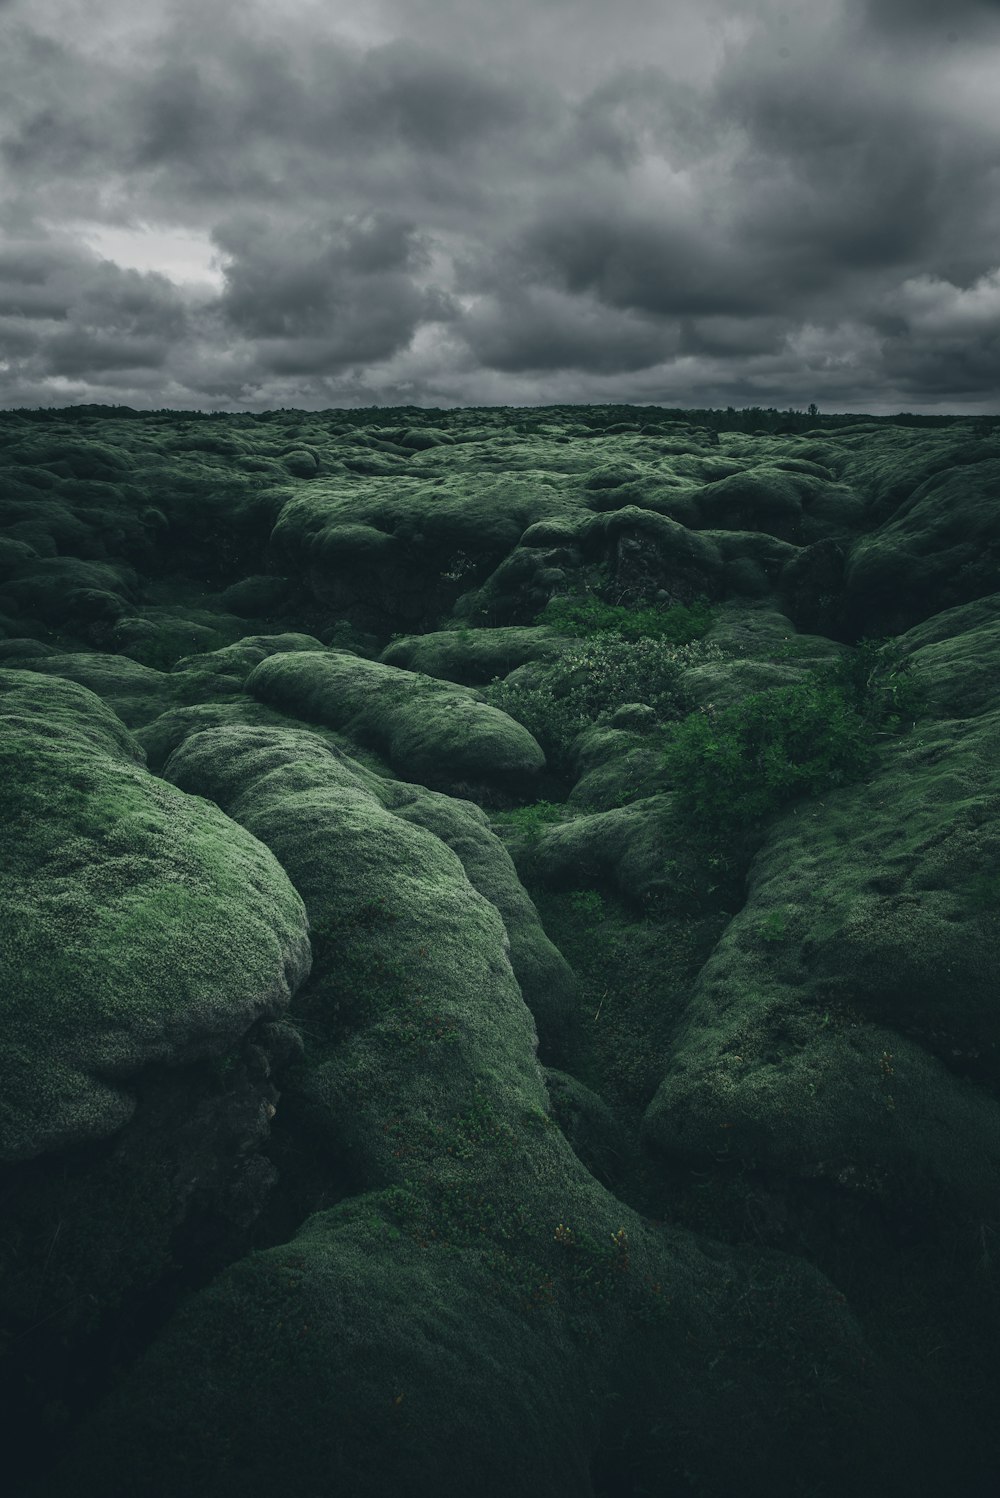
x: 232, y: 205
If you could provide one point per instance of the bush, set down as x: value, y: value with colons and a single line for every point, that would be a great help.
x: 531, y: 819
x: 587, y: 616
x: 734, y: 767
x: 875, y: 679
x: 731, y: 768
x: 587, y: 684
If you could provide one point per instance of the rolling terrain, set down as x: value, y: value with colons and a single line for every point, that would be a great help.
x: 498, y: 952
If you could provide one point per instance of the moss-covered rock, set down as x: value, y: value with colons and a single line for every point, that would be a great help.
x: 816, y: 1034
x: 625, y: 848
x: 472, y: 657
x: 957, y: 655
x: 762, y: 500
x: 257, y: 597
x: 137, y: 693
x: 140, y: 927
x: 65, y: 589
x: 547, y: 982
x: 239, y: 659
x: 618, y: 764
x: 440, y: 733
x: 940, y: 548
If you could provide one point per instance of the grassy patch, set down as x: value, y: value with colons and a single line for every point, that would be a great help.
x: 531, y: 819
x: 584, y: 617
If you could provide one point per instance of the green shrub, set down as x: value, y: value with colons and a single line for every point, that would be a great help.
x: 587, y: 616
x: 730, y: 768
x: 876, y: 680
x: 733, y: 767
x: 531, y: 819
x: 586, y: 685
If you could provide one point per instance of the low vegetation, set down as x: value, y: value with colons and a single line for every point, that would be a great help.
x: 622, y: 656
x: 730, y: 768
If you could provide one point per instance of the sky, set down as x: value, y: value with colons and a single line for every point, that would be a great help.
x: 340, y: 203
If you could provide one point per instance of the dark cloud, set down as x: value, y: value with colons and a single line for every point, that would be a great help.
x: 915, y: 21
x: 83, y: 353
x: 55, y: 280
x: 425, y: 101
x: 732, y: 337
x: 66, y: 313
x: 670, y: 265
x: 321, y: 296
x: 543, y: 330
x: 639, y: 110
x: 535, y: 200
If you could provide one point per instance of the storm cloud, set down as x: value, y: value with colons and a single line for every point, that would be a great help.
x: 432, y: 202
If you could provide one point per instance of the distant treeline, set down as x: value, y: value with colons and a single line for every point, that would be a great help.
x: 600, y: 419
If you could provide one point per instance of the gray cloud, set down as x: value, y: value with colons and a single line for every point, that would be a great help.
x: 83, y: 353
x: 906, y: 21
x: 764, y: 202
x: 522, y: 331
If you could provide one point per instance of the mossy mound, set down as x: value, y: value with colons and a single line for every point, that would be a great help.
x: 73, y: 593
x: 765, y: 500
x: 546, y: 980
x: 257, y: 597
x: 440, y: 733
x: 301, y: 463
x: 472, y: 657
x: 957, y: 654
x: 387, y: 553
x: 20, y: 652
x: 160, y: 636
x: 419, y: 439
x: 239, y: 659
x: 15, y: 557
x: 141, y: 926
x: 137, y: 693
x: 372, y: 1345
x: 625, y: 849
x: 939, y: 548
x: 618, y: 765
x: 81, y: 458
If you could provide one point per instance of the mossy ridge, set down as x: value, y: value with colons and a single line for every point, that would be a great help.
x: 370, y: 995
x: 433, y: 729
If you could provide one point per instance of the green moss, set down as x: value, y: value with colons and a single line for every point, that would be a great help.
x: 140, y: 925
x: 167, y: 646
x: 432, y: 728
